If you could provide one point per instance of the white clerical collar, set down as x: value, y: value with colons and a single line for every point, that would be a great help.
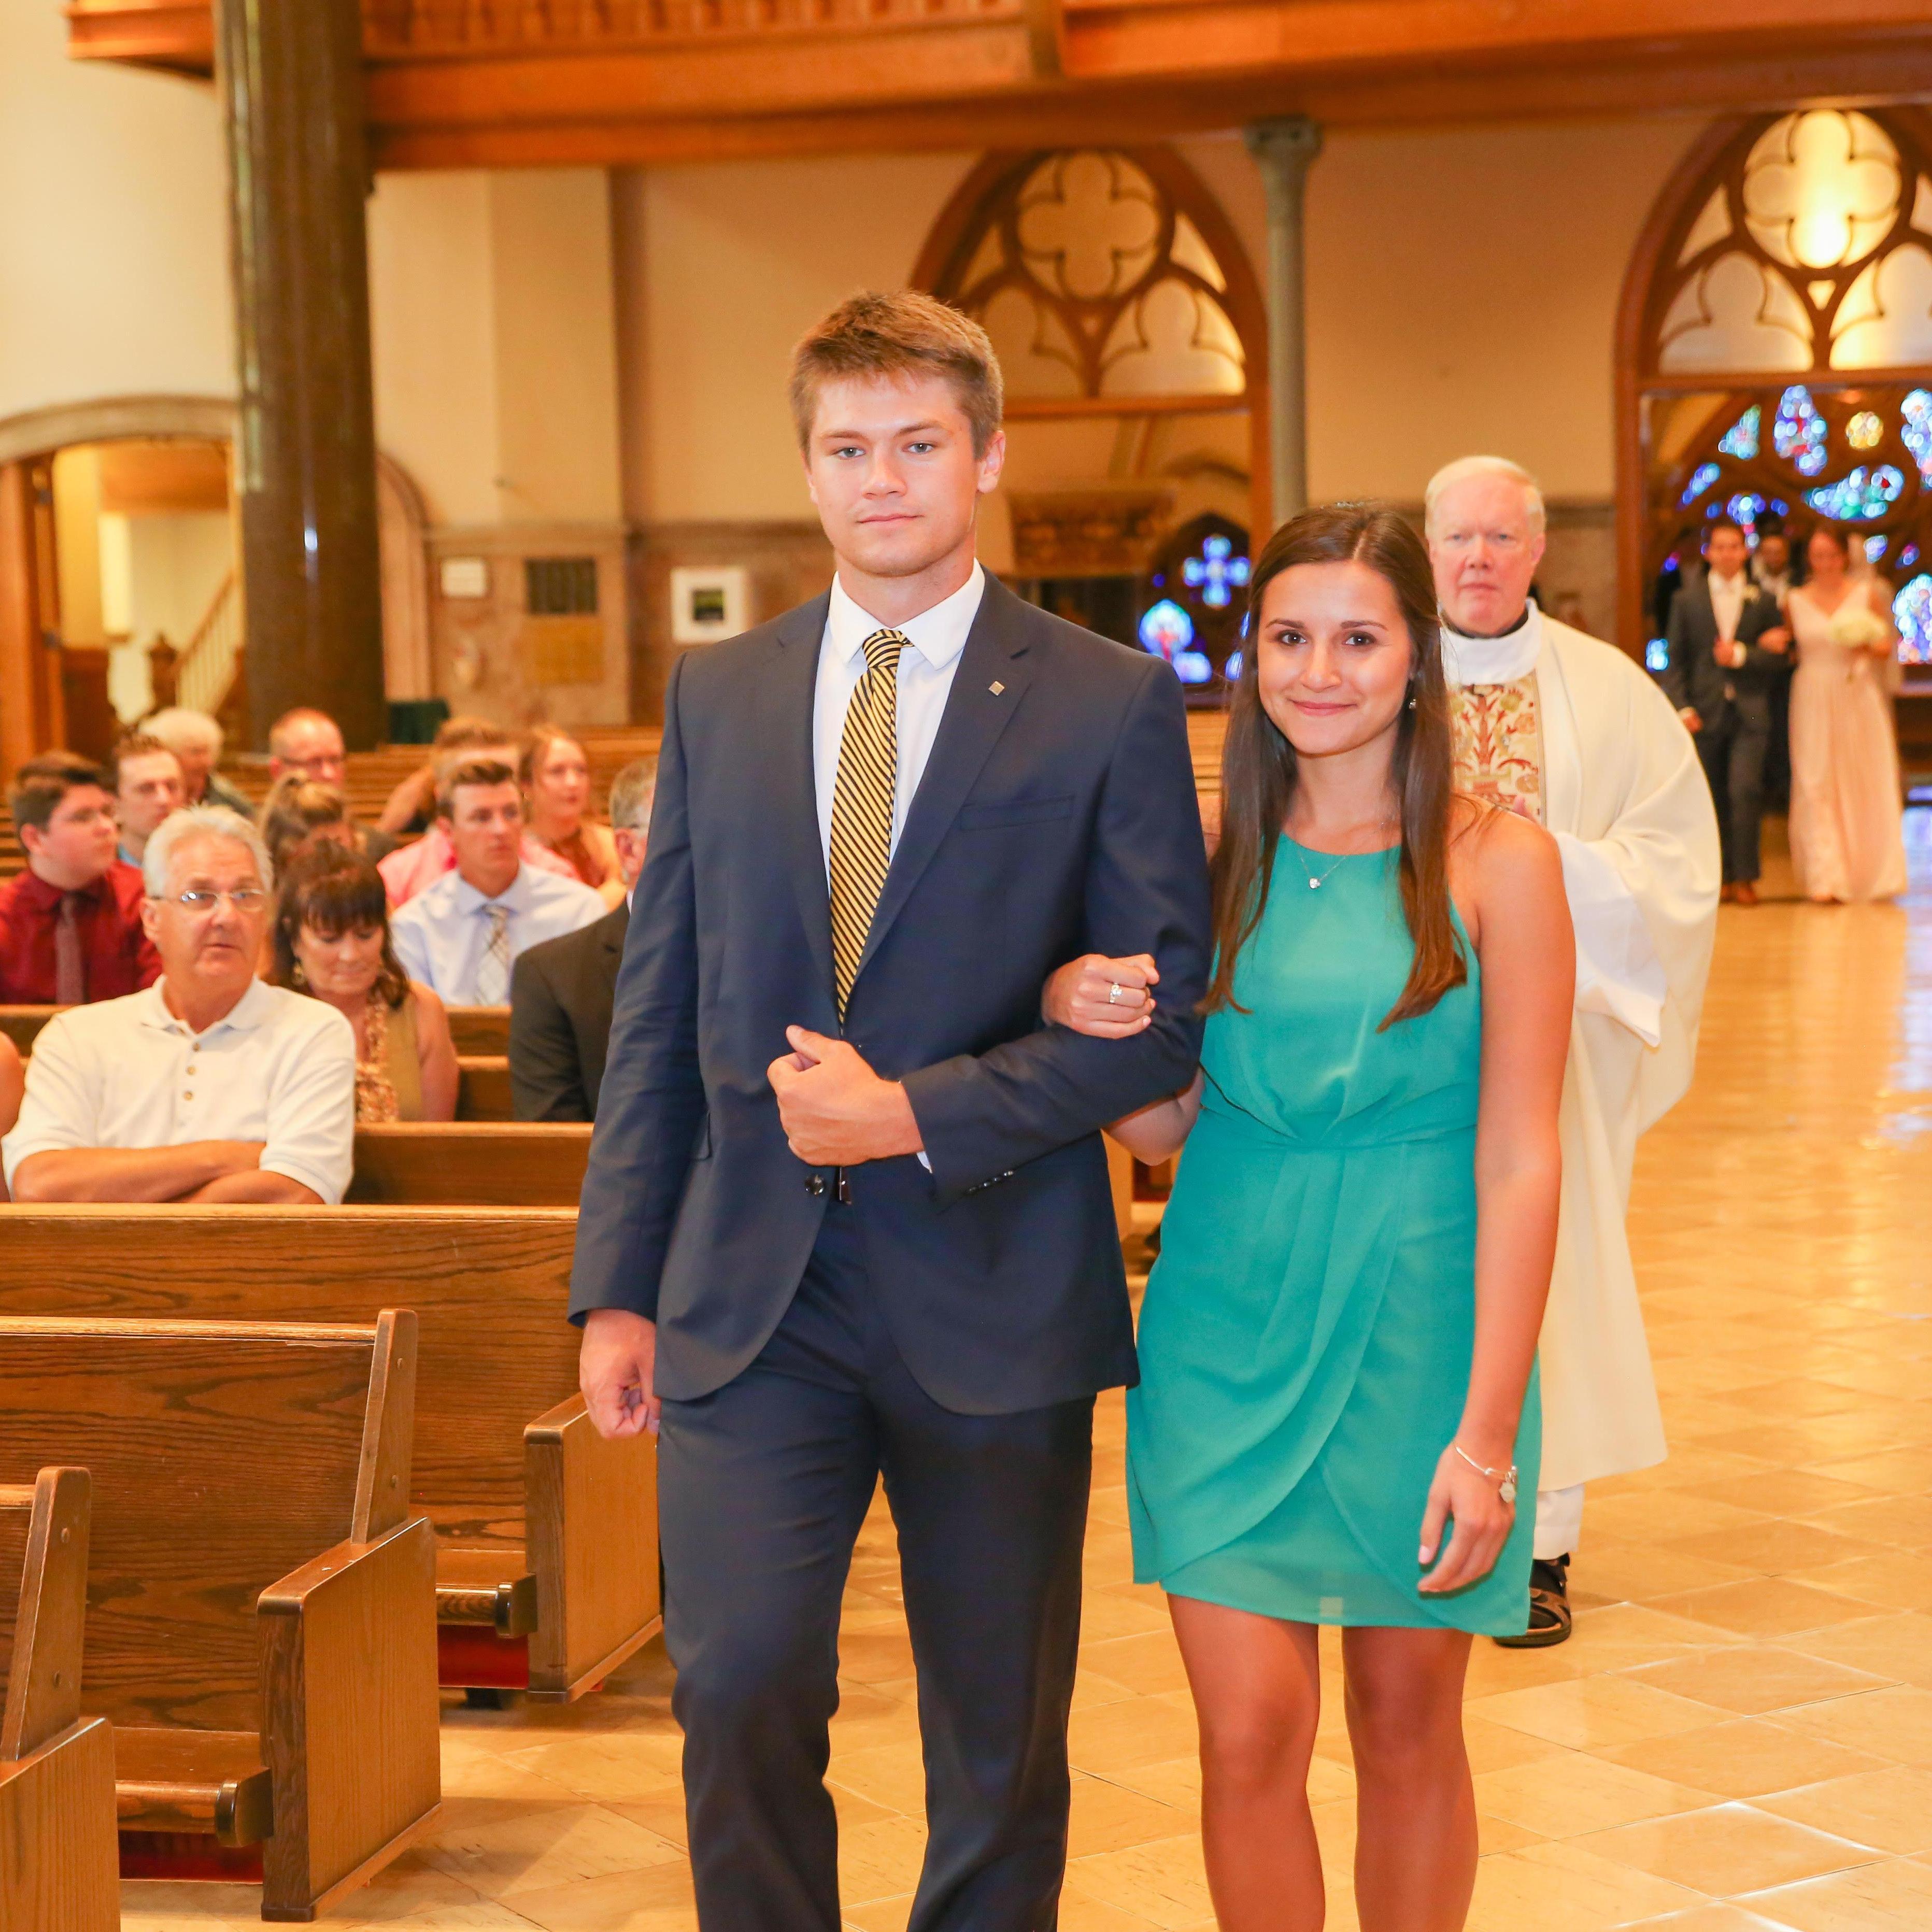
x: 1494, y: 660
x: 938, y: 635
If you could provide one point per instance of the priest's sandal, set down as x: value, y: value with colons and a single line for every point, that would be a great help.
x: 1550, y: 1618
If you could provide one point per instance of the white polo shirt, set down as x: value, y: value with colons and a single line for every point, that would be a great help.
x: 279, y: 1068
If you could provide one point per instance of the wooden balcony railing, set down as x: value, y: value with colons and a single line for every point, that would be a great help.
x: 480, y: 82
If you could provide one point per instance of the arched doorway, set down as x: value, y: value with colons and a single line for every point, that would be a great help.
x: 1775, y: 354
x: 1133, y: 336
x: 113, y: 521
x: 119, y: 587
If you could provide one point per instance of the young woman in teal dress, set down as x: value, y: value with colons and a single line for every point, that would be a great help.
x: 1338, y: 1407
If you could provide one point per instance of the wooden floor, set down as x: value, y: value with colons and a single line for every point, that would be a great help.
x: 1745, y: 1713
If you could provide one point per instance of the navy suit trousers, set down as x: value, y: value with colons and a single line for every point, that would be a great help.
x: 763, y: 1485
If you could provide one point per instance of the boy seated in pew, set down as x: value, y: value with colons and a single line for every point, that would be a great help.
x: 209, y: 1085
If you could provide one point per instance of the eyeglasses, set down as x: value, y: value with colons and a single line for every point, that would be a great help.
x: 204, y: 898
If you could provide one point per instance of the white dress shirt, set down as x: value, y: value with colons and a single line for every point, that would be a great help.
x: 1727, y: 602
x: 935, y: 639
x: 279, y: 1068
x: 442, y: 934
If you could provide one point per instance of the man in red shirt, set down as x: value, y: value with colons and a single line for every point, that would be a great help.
x: 71, y: 924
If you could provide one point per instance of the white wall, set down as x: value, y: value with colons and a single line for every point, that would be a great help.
x: 1462, y: 291
x: 493, y: 334
x: 721, y: 268
x: 113, y: 225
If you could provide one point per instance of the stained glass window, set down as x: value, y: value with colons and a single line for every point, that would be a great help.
x: 1798, y: 430
x: 1741, y: 439
x: 1865, y: 430
x: 1861, y: 495
x: 1912, y: 610
x: 1917, y: 430
x: 1745, y: 508
x: 1166, y: 629
x: 1215, y: 573
x: 1874, y: 549
x: 1702, y: 478
x: 1908, y: 556
x: 1656, y: 655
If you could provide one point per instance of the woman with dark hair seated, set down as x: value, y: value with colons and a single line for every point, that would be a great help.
x: 331, y: 941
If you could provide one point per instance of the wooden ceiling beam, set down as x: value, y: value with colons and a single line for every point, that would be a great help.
x: 1029, y: 73
x: 1046, y: 114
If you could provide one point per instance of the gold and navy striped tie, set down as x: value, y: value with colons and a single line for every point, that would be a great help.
x: 862, y: 805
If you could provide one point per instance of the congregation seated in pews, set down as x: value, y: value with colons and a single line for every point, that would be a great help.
x: 58, y: 1865
x: 208, y: 1085
x: 267, y: 1660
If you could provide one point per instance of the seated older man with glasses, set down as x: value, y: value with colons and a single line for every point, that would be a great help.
x: 209, y: 1085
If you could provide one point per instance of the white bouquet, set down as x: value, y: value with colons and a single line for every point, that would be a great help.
x: 1855, y: 626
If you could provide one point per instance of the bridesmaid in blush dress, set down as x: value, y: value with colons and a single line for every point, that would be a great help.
x: 1338, y: 1405
x: 1847, y: 843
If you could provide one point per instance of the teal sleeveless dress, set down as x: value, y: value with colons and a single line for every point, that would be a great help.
x: 1306, y: 1338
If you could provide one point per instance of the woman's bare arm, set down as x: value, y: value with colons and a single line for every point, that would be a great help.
x: 1513, y: 877
x: 1113, y: 999
x: 1157, y: 1132
x: 435, y: 1054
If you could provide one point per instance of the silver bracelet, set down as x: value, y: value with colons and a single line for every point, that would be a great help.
x: 1504, y: 1479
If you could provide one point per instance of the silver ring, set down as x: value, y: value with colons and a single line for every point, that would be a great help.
x: 1114, y: 993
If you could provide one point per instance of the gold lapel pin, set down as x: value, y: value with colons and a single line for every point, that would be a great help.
x: 996, y: 687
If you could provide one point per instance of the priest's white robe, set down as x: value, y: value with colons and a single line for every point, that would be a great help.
x: 1626, y: 798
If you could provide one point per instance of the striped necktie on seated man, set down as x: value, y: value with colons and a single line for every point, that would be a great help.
x: 493, y: 973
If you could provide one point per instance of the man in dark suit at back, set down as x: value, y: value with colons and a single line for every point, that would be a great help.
x: 1727, y: 642
x: 561, y: 991
x: 847, y: 1213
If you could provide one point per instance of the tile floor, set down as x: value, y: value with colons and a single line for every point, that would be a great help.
x: 1738, y: 1739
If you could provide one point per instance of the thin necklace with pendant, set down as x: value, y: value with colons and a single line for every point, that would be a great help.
x: 1317, y: 880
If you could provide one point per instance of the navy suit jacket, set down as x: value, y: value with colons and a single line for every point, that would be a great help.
x: 1056, y: 815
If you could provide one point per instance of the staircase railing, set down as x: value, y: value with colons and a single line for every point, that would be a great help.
x: 202, y: 672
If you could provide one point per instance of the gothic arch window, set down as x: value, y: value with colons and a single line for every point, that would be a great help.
x: 1132, y: 337
x: 1775, y: 352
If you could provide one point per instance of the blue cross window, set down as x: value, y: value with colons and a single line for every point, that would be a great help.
x: 1216, y: 573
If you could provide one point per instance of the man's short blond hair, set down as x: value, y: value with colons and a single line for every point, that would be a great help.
x: 1466, y: 467
x: 906, y: 333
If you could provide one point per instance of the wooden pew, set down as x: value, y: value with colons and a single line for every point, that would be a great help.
x: 483, y: 1092
x: 476, y: 1029
x: 23, y: 1025
x: 546, y: 1535
x: 58, y: 1872
x: 471, y: 1163
x: 261, y: 1605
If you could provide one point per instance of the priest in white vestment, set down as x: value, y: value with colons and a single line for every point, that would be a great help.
x: 1570, y: 732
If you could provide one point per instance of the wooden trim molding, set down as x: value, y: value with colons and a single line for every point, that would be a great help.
x: 624, y: 82
x: 113, y: 418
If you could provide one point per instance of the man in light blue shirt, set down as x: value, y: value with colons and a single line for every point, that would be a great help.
x: 460, y: 936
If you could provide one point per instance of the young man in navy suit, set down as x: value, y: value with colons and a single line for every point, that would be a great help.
x: 847, y: 1213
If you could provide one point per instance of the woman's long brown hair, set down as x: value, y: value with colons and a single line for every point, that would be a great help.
x: 1258, y: 769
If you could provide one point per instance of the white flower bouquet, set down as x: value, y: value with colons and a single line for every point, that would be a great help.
x: 1856, y: 626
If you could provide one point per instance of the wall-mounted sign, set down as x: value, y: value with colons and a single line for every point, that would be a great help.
x: 464, y: 577
x: 709, y: 604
